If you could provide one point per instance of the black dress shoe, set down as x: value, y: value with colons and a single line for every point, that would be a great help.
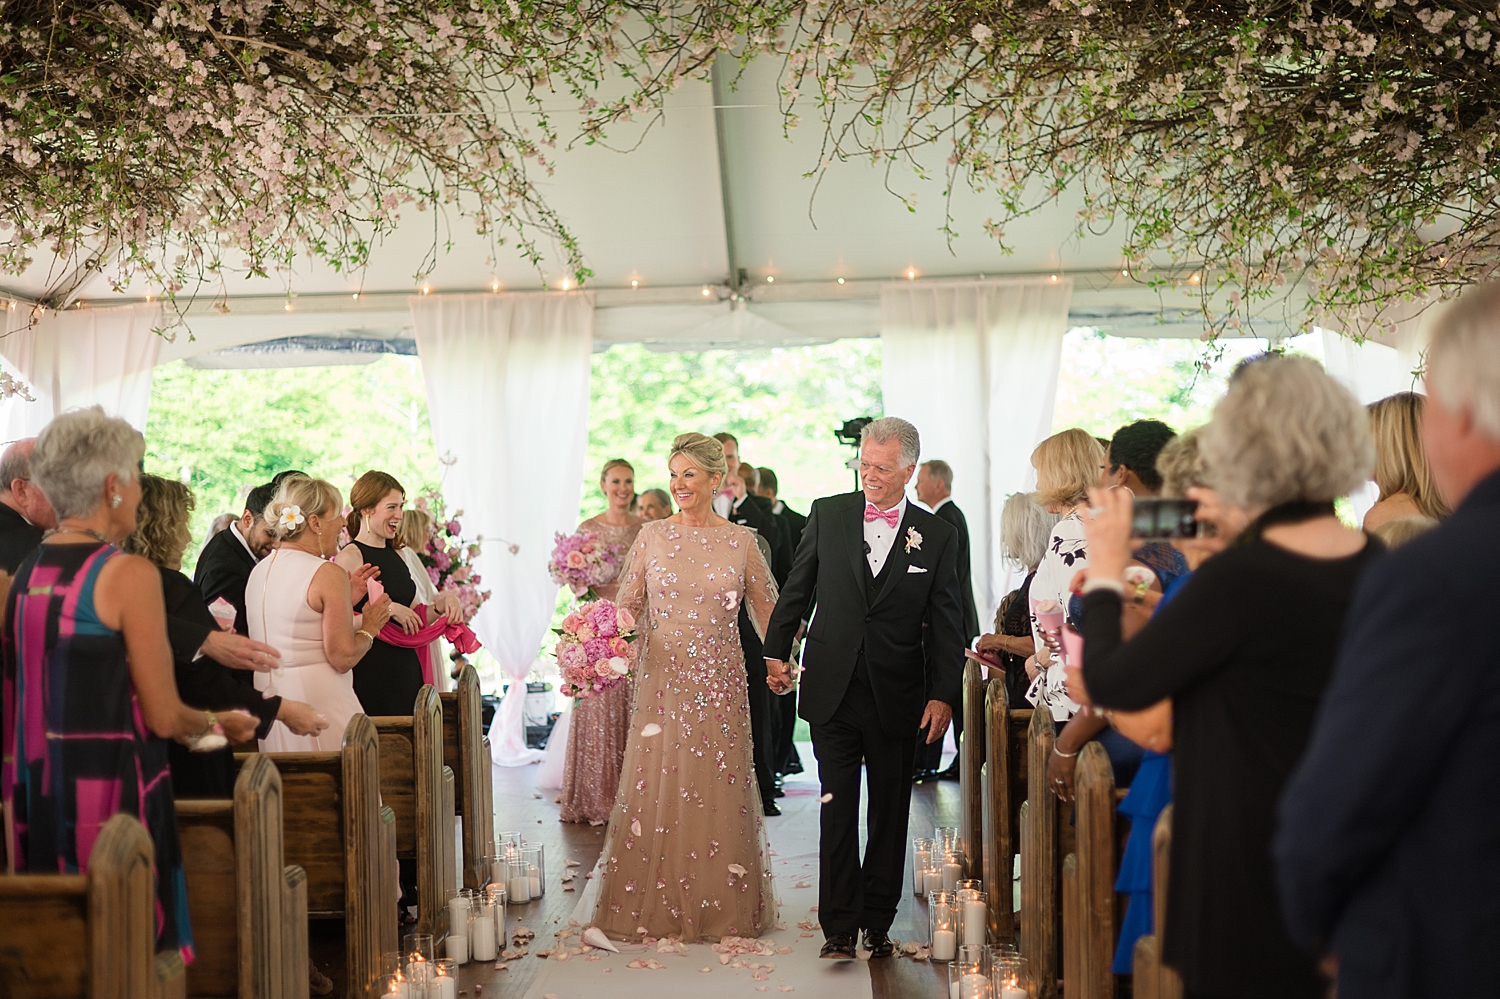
x: 778, y: 793
x: 919, y: 776
x: 878, y: 943
x: 770, y: 808
x: 839, y: 947
x: 950, y: 774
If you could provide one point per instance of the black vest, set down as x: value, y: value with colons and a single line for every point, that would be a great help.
x: 874, y: 584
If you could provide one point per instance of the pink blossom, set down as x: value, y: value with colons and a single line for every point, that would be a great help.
x: 619, y: 647
x: 624, y: 619
x: 597, y: 648
x: 602, y: 617
x: 575, y: 560
x: 453, y: 528
x: 602, y: 669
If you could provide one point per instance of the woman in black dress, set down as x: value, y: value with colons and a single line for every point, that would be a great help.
x: 1244, y: 650
x: 387, y: 679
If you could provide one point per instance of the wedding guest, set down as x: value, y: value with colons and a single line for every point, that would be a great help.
x: 784, y: 757
x: 162, y: 533
x: 414, y: 534
x: 1025, y: 528
x: 1244, y: 650
x: 300, y: 602
x: 25, y: 514
x: 389, y: 676
x: 1401, y: 473
x: 1386, y: 845
x: 225, y: 562
x: 934, y: 489
x: 1068, y: 465
x: 220, y: 523
x: 601, y: 724
x: 655, y: 504
x: 750, y: 475
x: 1132, y: 454
x: 86, y: 658
x: 1395, y: 533
x: 738, y: 505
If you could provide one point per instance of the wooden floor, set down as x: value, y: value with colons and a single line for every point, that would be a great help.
x: 519, y: 806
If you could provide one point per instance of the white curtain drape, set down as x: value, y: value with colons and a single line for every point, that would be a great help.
x: 508, y: 394
x: 974, y: 365
x: 82, y: 357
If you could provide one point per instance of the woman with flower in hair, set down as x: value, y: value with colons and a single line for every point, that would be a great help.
x: 300, y: 602
x: 595, y: 735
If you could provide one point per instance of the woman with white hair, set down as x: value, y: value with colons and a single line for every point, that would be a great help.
x: 1244, y: 649
x: 1025, y: 529
x: 89, y: 687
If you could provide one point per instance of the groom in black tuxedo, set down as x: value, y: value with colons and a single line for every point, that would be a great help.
x: 881, y: 568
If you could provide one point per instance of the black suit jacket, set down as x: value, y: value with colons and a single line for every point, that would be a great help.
x: 223, y: 570
x: 18, y: 539
x: 831, y: 562
x: 1387, y: 843
x: 950, y: 512
x: 755, y: 512
x: 793, y: 521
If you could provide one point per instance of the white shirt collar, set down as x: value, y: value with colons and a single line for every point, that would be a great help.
x: 234, y: 526
x: 939, y: 504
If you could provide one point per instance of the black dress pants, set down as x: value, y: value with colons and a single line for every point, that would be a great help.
x: 854, y: 895
x: 784, y: 724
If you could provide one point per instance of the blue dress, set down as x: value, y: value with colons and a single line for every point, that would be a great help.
x: 1150, y: 792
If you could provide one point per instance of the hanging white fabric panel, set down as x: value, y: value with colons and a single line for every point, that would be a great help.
x: 82, y: 357
x: 974, y: 365
x: 508, y: 395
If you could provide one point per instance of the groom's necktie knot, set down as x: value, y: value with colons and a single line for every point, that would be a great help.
x: 873, y: 513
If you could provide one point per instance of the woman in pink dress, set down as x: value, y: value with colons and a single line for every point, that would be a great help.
x: 599, y: 726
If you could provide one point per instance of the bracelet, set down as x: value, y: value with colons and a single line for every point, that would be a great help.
x: 367, y: 635
x: 1066, y: 756
x: 1103, y: 583
x: 213, y: 725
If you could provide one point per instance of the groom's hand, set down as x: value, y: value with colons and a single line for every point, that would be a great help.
x: 778, y: 676
x: 935, y: 720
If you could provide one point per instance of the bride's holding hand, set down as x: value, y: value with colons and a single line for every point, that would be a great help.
x: 686, y: 852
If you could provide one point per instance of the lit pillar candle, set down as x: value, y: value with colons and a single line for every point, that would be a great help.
x: 1012, y: 992
x: 952, y: 871
x: 944, y: 945
x: 934, y: 879
x: 458, y: 948
x: 976, y: 915
x: 482, y: 935
x: 519, y: 888
x: 973, y: 986
x: 920, y: 860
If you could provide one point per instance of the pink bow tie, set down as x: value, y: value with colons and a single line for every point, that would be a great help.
x: 890, y: 516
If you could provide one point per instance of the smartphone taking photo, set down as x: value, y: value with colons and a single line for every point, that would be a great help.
x: 1164, y: 519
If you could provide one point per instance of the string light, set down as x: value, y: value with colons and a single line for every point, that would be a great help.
x: 770, y: 279
x: 841, y: 280
x: 634, y: 283
x: 355, y: 296
x: 563, y: 284
x: 495, y: 285
x: 705, y: 291
x: 1194, y: 279
x: 1054, y: 277
x: 427, y: 289
x: 911, y: 274
x: 289, y: 306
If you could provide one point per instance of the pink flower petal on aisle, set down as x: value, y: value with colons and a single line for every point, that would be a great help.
x: 651, y: 729
x: 825, y: 799
x: 785, y: 988
x: 704, y: 971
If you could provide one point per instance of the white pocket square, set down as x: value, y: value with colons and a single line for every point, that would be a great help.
x: 915, y: 568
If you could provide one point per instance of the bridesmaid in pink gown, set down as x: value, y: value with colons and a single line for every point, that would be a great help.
x: 597, y: 732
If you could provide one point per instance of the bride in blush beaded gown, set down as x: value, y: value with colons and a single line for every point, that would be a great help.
x: 686, y: 853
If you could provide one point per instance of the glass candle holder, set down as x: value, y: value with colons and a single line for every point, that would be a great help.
x: 932, y: 879
x: 534, y: 857
x: 517, y: 882
x: 944, y: 839
x: 444, y: 982
x: 953, y: 870
x: 506, y: 839
x: 942, y: 923
x: 974, y: 916
x: 921, y: 857
x: 416, y: 948
x: 388, y: 987
x: 482, y: 929
x: 1010, y: 977
x: 969, y: 974
x: 974, y: 884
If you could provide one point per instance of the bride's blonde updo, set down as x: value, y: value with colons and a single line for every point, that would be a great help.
x: 309, y: 496
x: 705, y: 452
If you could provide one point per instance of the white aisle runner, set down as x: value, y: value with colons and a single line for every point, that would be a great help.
x: 699, y: 974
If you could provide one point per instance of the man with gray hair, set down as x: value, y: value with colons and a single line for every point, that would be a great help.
x: 25, y: 514
x: 1386, y: 840
x: 885, y: 573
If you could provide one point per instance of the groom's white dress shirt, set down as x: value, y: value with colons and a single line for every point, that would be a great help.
x: 880, y: 536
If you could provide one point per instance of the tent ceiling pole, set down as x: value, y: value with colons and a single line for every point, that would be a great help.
x: 721, y: 141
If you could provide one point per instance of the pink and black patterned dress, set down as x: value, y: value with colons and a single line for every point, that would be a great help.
x: 76, y: 747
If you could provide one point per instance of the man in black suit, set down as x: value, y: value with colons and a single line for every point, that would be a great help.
x: 25, y: 514
x: 935, y: 491
x: 784, y: 756
x: 881, y: 568
x: 739, y: 505
x: 1386, y: 841
x: 223, y: 570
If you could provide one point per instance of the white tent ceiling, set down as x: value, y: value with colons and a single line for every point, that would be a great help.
x: 710, y: 187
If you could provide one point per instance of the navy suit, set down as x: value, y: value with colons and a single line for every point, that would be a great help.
x: 1388, y: 847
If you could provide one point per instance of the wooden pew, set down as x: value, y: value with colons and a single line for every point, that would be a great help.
x: 1089, y: 936
x: 1004, y: 788
x: 72, y: 935
x: 411, y: 779
x: 971, y: 746
x: 465, y: 751
x: 237, y: 883
x: 1153, y: 979
x: 1041, y: 859
x: 333, y: 830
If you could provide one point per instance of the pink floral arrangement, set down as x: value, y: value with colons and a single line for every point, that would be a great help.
x: 581, y: 562
x: 449, y: 559
x: 595, y: 649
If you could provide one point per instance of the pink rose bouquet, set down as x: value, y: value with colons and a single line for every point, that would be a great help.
x: 595, y: 648
x: 581, y: 561
x: 449, y: 559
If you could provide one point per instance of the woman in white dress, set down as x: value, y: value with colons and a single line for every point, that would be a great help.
x: 301, y: 603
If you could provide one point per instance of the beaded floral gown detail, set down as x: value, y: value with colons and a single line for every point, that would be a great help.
x: 686, y: 852
x: 600, y: 724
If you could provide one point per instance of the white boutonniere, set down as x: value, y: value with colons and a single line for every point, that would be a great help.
x: 913, y: 540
